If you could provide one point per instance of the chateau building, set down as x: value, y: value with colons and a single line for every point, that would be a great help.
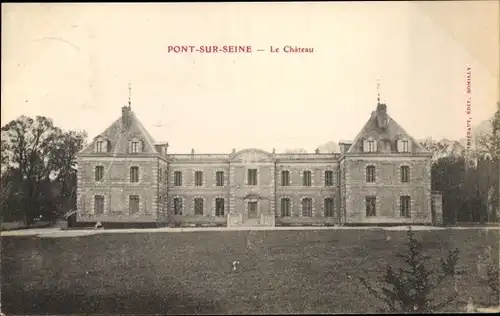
x: 383, y: 176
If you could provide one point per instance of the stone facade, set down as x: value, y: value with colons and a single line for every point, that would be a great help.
x: 254, y: 187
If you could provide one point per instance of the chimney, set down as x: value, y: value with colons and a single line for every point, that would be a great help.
x: 125, y: 117
x: 234, y: 151
x: 274, y: 151
x: 317, y: 150
x: 164, y: 149
x: 381, y: 116
x: 192, y: 151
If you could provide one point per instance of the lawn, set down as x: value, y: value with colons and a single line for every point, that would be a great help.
x: 192, y: 272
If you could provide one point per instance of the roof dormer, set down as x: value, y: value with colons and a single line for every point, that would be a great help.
x: 370, y: 145
x: 101, y: 144
x: 135, y: 145
x: 403, y: 144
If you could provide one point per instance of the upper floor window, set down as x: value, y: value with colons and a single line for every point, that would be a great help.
x: 405, y: 206
x: 166, y: 177
x: 306, y: 181
x: 177, y: 178
x: 198, y: 178
x: 134, y: 174
x: 219, y: 178
x: 160, y: 175
x: 405, y: 174
x: 328, y: 178
x: 371, y: 206
x: 99, y: 173
x: 285, y: 178
x: 370, y: 174
x: 100, y: 146
x: 252, y: 176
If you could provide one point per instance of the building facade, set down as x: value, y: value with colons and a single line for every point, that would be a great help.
x: 382, y: 177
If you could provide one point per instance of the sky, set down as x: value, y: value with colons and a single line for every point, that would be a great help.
x: 73, y: 63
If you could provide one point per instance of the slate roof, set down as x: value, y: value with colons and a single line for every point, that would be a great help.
x: 119, y: 138
x: 386, y: 137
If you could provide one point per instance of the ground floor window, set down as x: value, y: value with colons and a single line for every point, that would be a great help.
x: 307, y: 207
x: 219, y: 207
x: 177, y: 206
x: 285, y: 207
x: 99, y: 204
x: 198, y: 206
x: 133, y: 205
x: 371, y: 206
x: 405, y: 206
x: 329, y: 207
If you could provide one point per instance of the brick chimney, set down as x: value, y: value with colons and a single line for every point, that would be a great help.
x: 125, y: 117
x: 381, y: 114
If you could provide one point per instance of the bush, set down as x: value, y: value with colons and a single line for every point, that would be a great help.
x: 408, y: 290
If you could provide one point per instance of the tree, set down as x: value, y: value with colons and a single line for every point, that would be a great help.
x: 409, y: 289
x: 40, y: 153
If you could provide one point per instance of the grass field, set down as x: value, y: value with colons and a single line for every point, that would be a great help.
x: 185, y: 273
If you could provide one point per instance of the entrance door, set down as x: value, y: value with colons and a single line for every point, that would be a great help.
x: 252, y: 210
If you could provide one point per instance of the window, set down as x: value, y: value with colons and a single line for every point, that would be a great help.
x: 405, y: 206
x: 329, y: 207
x: 252, y: 176
x: 166, y: 177
x: 133, y: 205
x: 405, y: 174
x: 134, y: 147
x: 329, y: 178
x: 371, y: 206
x: 198, y: 178
x: 219, y: 178
x: 285, y: 178
x: 285, y: 207
x: 370, y: 174
x: 100, y: 146
x: 252, y: 210
x: 219, y: 207
x: 160, y: 175
x: 306, y: 181
x: 134, y: 174
x: 177, y: 178
x: 99, y: 173
x: 370, y: 146
x: 177, y: 206
x: 99, y: 204
x: 404, y: 146
x: 198, y: 206
x: 307, y: 207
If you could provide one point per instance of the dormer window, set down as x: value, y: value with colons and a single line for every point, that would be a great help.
x: 370, y: 145
x: 134, y: 147
x: 100, y: 146
x: 403, y: 146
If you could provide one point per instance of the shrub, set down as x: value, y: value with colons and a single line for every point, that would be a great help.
x: 408, y: 290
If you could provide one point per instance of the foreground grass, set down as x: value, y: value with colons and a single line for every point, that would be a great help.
x: 184, y: 273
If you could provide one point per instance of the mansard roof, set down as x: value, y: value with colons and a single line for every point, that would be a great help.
x: 385, y: 130
x: 123, y: 130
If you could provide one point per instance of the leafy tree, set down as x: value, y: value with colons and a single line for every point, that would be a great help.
x: 40, y: 153
x: 408, y: 290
